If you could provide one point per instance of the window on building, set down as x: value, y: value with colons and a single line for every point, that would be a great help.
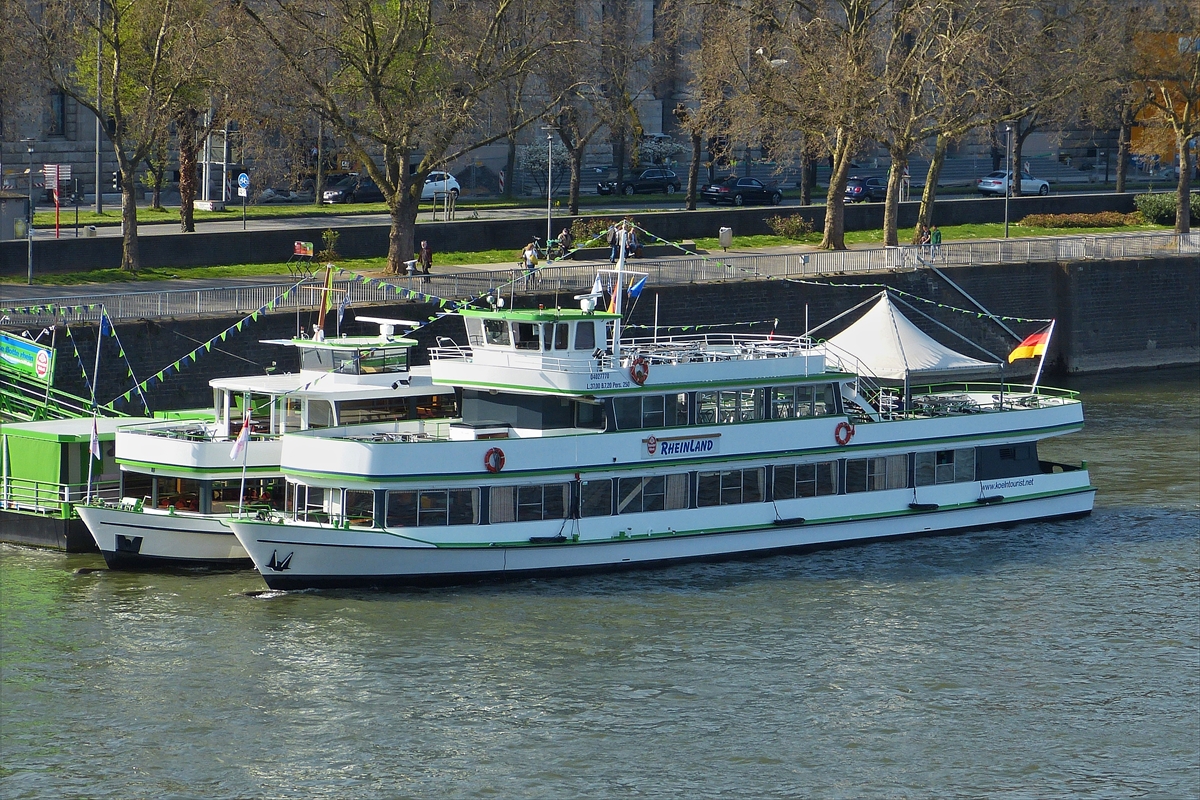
x: 730, y: 487
x: 56, y: 122
x: 805, y: 480
x: 874, y: 474
x: 529, y: 503
x: 652, y: 493
x: 945, y: 466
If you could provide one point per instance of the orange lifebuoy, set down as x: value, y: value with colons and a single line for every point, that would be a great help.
x: 493, y: 459
x: 639, y: 370
x: 843, y: 433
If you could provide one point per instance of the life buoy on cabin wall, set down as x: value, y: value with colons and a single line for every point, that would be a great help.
x: 843, y: 433
x: 493, y: 459
x: 639, y: 370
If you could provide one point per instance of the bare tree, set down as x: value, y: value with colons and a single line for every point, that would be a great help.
x: 408, y: 79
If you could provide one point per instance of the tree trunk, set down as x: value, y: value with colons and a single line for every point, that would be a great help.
x: 510, y: 168
x: 891, y: 208
x: 576, y: 155
x: 1183, y: 208
x: 835, y: 201
x: 319, y: 178
x: 189, y: 151
x: 693, y: 188
x: 129, y: 232
x: 1015, y: 167
x: 1122, y: 149
x: 929, y: 193
x: 403, y: 212
x: 808, y: 178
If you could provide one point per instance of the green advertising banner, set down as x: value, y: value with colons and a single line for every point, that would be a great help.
x: 26, y: 358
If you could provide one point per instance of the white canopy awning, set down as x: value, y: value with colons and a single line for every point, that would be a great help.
x: 887, y: 345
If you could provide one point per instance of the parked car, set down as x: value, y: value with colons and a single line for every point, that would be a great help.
x: 353, y: 189
x: 648, y: 180
x: 739, y: 191
x: 862, y: 190
x: 996, y: 183
x: 440, y: 183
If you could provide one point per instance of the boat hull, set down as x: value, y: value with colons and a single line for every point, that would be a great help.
x: 150, y: 539
x: 300, y: 557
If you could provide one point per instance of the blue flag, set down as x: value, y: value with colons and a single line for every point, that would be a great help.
x: 636, y: 289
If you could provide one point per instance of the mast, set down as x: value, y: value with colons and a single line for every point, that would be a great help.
x: 618, y: 296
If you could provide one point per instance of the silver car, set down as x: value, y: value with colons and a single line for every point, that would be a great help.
x: 996, y: 183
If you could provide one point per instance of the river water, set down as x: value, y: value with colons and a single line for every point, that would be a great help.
x: 1043, y: 660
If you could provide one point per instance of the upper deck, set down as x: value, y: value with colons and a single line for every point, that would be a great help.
x: 580, y: 353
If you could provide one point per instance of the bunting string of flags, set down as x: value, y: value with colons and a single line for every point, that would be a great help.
x: 972, y: 312
x: 112, y: 331
x: 79, y: 359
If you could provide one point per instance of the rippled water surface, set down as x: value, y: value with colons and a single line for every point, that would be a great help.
x: 1042, y: 660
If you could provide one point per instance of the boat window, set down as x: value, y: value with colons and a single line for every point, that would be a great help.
x: 629, y: 412
x: 555, y: 333
x: 783, y: 402
x: 401, y: 509
x: 945, y: 466
x: 136, y: 484
x: 589, y: 415
x: 291, y: 413
x: 377, y: 360
x: 182, y: 494
x: 585, y: 335
x: 529, y: 503
x: 652, y: 493
x: 730, y: 487
x: 874, y: 474
x: 437, y: 406
x: 525, y: 336
x: 676, y: 410
x: 824, y: 402
x: 447, y: 507
x: 595, y: 498
x: 310, y: 504
x: 804, y: 401
x: 495, y: 332
x: 359, y: 508
x: 706, y: 408
x: 474, y: 331
x: 652, y: 411
x: 805, y: 480
x: 378, y: 409
x: 320, y: 413
x: 750, y: 405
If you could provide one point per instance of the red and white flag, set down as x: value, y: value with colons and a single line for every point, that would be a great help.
x: 243, y: 437
x: 94, y: 444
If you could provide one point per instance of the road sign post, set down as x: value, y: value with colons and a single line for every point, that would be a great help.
x: 244, y: 191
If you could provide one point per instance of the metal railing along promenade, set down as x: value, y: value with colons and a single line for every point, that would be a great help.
x: 575, y: 278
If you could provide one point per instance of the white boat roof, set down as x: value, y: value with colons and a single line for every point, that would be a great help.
x: 330, y: 385
x: 888, y: 345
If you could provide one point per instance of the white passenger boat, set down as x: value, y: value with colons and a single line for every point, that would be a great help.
x: 578, y: 450
x: 179, y: 480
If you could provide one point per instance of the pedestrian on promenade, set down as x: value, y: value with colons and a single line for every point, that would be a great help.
x: 935, y: 241
x: 425, y: 257
x: 614, y: 243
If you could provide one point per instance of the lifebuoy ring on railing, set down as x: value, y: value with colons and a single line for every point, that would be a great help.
x: 493, y: 460
x: 843, y: 433
x: 639, y: 370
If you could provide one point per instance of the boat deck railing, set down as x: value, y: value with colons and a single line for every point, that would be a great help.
x: 50, y: 498
x: 949, y: 399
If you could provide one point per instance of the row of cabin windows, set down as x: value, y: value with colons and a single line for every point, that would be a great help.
x: 725, y: 407
x: 289, y: 411
x: 205, y: 497
x: 631, y: 495
x: 546, y: 336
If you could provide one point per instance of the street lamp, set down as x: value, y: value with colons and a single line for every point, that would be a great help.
x: 99, y: 72
x: 1008, y: 177
x: 29, y: 226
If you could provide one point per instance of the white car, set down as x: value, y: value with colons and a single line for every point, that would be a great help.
x: 997, y: 182
x: 440, y: 183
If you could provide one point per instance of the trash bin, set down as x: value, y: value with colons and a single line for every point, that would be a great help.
x: 91, y: 231
x: 726, y: 237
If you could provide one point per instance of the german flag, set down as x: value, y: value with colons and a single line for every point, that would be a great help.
x: 1031, y: 346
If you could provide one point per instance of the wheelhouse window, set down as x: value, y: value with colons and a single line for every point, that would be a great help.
x: 432, y: 507
x: 381, y: 359
x: 378, y: 409
x: 805, y: 480
x: 874, y: 474
x: 595, y: 498
x: 526, y: 336
x: 945, y: 466
x: 585, y: 335
x: 652, y: 493
x: 529, y: 503
x: 554, y: 335
x: 495, y: 332
x: 730, y: 487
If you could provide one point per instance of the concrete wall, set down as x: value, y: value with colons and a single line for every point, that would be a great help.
x: 69, y: 254
x: 1111, y: 315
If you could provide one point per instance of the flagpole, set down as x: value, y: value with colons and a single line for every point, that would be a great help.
x: 95, y: 411
x: 1038, y: 374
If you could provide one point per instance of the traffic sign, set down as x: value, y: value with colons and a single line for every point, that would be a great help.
x: 243, y: 181
x: 242, y: 191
